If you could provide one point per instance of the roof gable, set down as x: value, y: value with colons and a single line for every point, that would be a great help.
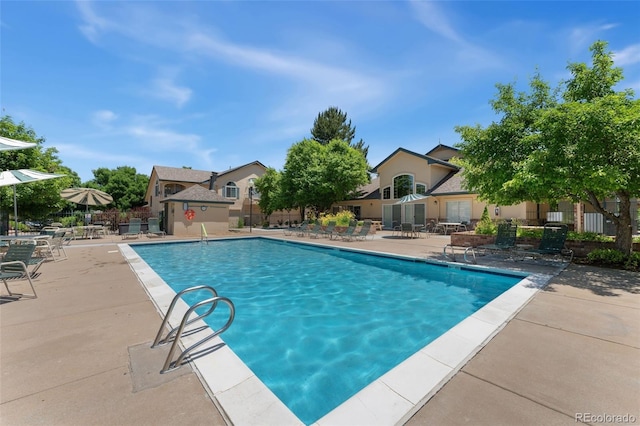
x: 253, y: 163
x: 429, y: 160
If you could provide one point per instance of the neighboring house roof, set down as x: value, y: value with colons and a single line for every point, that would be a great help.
x: 451, y: 184
x: 257, y: 163
x: 197, y: 193
x: 429, y: 160
x: 180, y: 174
x: 370, y: 191
x: 439, y: 147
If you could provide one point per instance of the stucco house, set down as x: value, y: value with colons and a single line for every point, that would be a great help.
x: 184, y: 197
x: 432, y: 174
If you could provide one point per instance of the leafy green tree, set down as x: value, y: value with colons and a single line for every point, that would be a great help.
x: 317, y: 175
x: 36, y: 200
x: 333, y: 124
x: 124, y: 184
x: 268, y: 186
x: 582, y: 146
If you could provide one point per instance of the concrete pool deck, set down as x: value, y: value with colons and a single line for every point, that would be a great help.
x: 72, y: 356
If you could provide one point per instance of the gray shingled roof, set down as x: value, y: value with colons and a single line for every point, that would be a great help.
x: 370, y: 190
x: 449, y: 185
x: 197, y: 193
x: 180, y: 174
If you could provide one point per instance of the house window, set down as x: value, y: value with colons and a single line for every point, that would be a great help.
x: 231, y: 190
x: 421, y: 188
x: 157, y: 189
x: 458, y: 211
x: 386, y: 193
x: 402, y: 185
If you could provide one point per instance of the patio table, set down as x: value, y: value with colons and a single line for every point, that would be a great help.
x: 448, y: 226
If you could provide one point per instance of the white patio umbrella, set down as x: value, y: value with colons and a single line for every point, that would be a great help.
x: 87, y: 196
x: 411, y: 197
x: 7, y: 144
x: 15, y: 177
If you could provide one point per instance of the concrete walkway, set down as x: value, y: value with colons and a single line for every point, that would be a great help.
x: 78, y: 355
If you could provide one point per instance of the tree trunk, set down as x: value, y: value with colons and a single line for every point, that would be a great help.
x: 622, y: 221
x: 624, y: 231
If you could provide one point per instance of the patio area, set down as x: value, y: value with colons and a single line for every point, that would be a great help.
x: 78, y: 353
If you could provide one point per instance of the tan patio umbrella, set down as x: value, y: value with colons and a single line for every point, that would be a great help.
x: 87, y: 196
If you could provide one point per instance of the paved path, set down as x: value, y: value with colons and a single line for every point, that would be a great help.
x: 67, y: 358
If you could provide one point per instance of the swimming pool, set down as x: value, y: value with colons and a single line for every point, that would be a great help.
x: 363, y: 314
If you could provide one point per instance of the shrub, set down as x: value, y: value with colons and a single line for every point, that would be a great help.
x: 342, y: 218
x: 529, y: 233
x: 633, y: 262
x: 240, y: 222
x: 606, y: 257
x: 588, y: 236
x: 68, y: 221
x: 485, y: 226
x: 615, y: 258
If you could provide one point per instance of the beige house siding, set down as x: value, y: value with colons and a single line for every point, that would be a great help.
x: 243, y: 178
x: 214, y: 218
x: 403, y: 163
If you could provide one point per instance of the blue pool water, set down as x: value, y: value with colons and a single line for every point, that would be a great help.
x: 317, y: 325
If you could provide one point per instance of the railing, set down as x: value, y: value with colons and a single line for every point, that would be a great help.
x: 176, y: 332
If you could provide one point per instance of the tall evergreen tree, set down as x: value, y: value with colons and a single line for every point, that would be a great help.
x: 333, y: 124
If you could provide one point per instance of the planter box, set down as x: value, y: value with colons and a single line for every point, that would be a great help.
x: 580, y: 248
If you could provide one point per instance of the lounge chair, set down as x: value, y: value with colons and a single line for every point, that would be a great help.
x: 364, y: 231
x: 329, y: 230
x: 505, y: 239
x: 348, y: 233
x: 505, y: 242
x: 315, y: 231
x: 303, y: 228
x: 15, y: 265
x: 134, y: 229
x: 154, y: 228
x: 552, y: 243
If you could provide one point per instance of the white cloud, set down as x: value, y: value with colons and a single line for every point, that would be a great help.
x: 432, y: 17
x: 163, y: 139
x: 628, y: 55
x: 93, y: 24
x: 103, y: 118
x: 582, y: 37
x: 188, y: 38
x: 166, y: 89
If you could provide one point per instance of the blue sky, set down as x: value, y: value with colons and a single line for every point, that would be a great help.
x: 218, y: 84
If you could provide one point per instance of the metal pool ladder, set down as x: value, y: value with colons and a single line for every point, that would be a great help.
x: 176, y: 332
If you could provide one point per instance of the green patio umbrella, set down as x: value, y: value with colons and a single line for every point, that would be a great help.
x: 15, y: 177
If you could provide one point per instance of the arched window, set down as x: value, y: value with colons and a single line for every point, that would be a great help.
x: 231, y: 190
x: 402, y: 185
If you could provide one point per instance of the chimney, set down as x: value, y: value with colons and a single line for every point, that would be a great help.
x: 212, y: 181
